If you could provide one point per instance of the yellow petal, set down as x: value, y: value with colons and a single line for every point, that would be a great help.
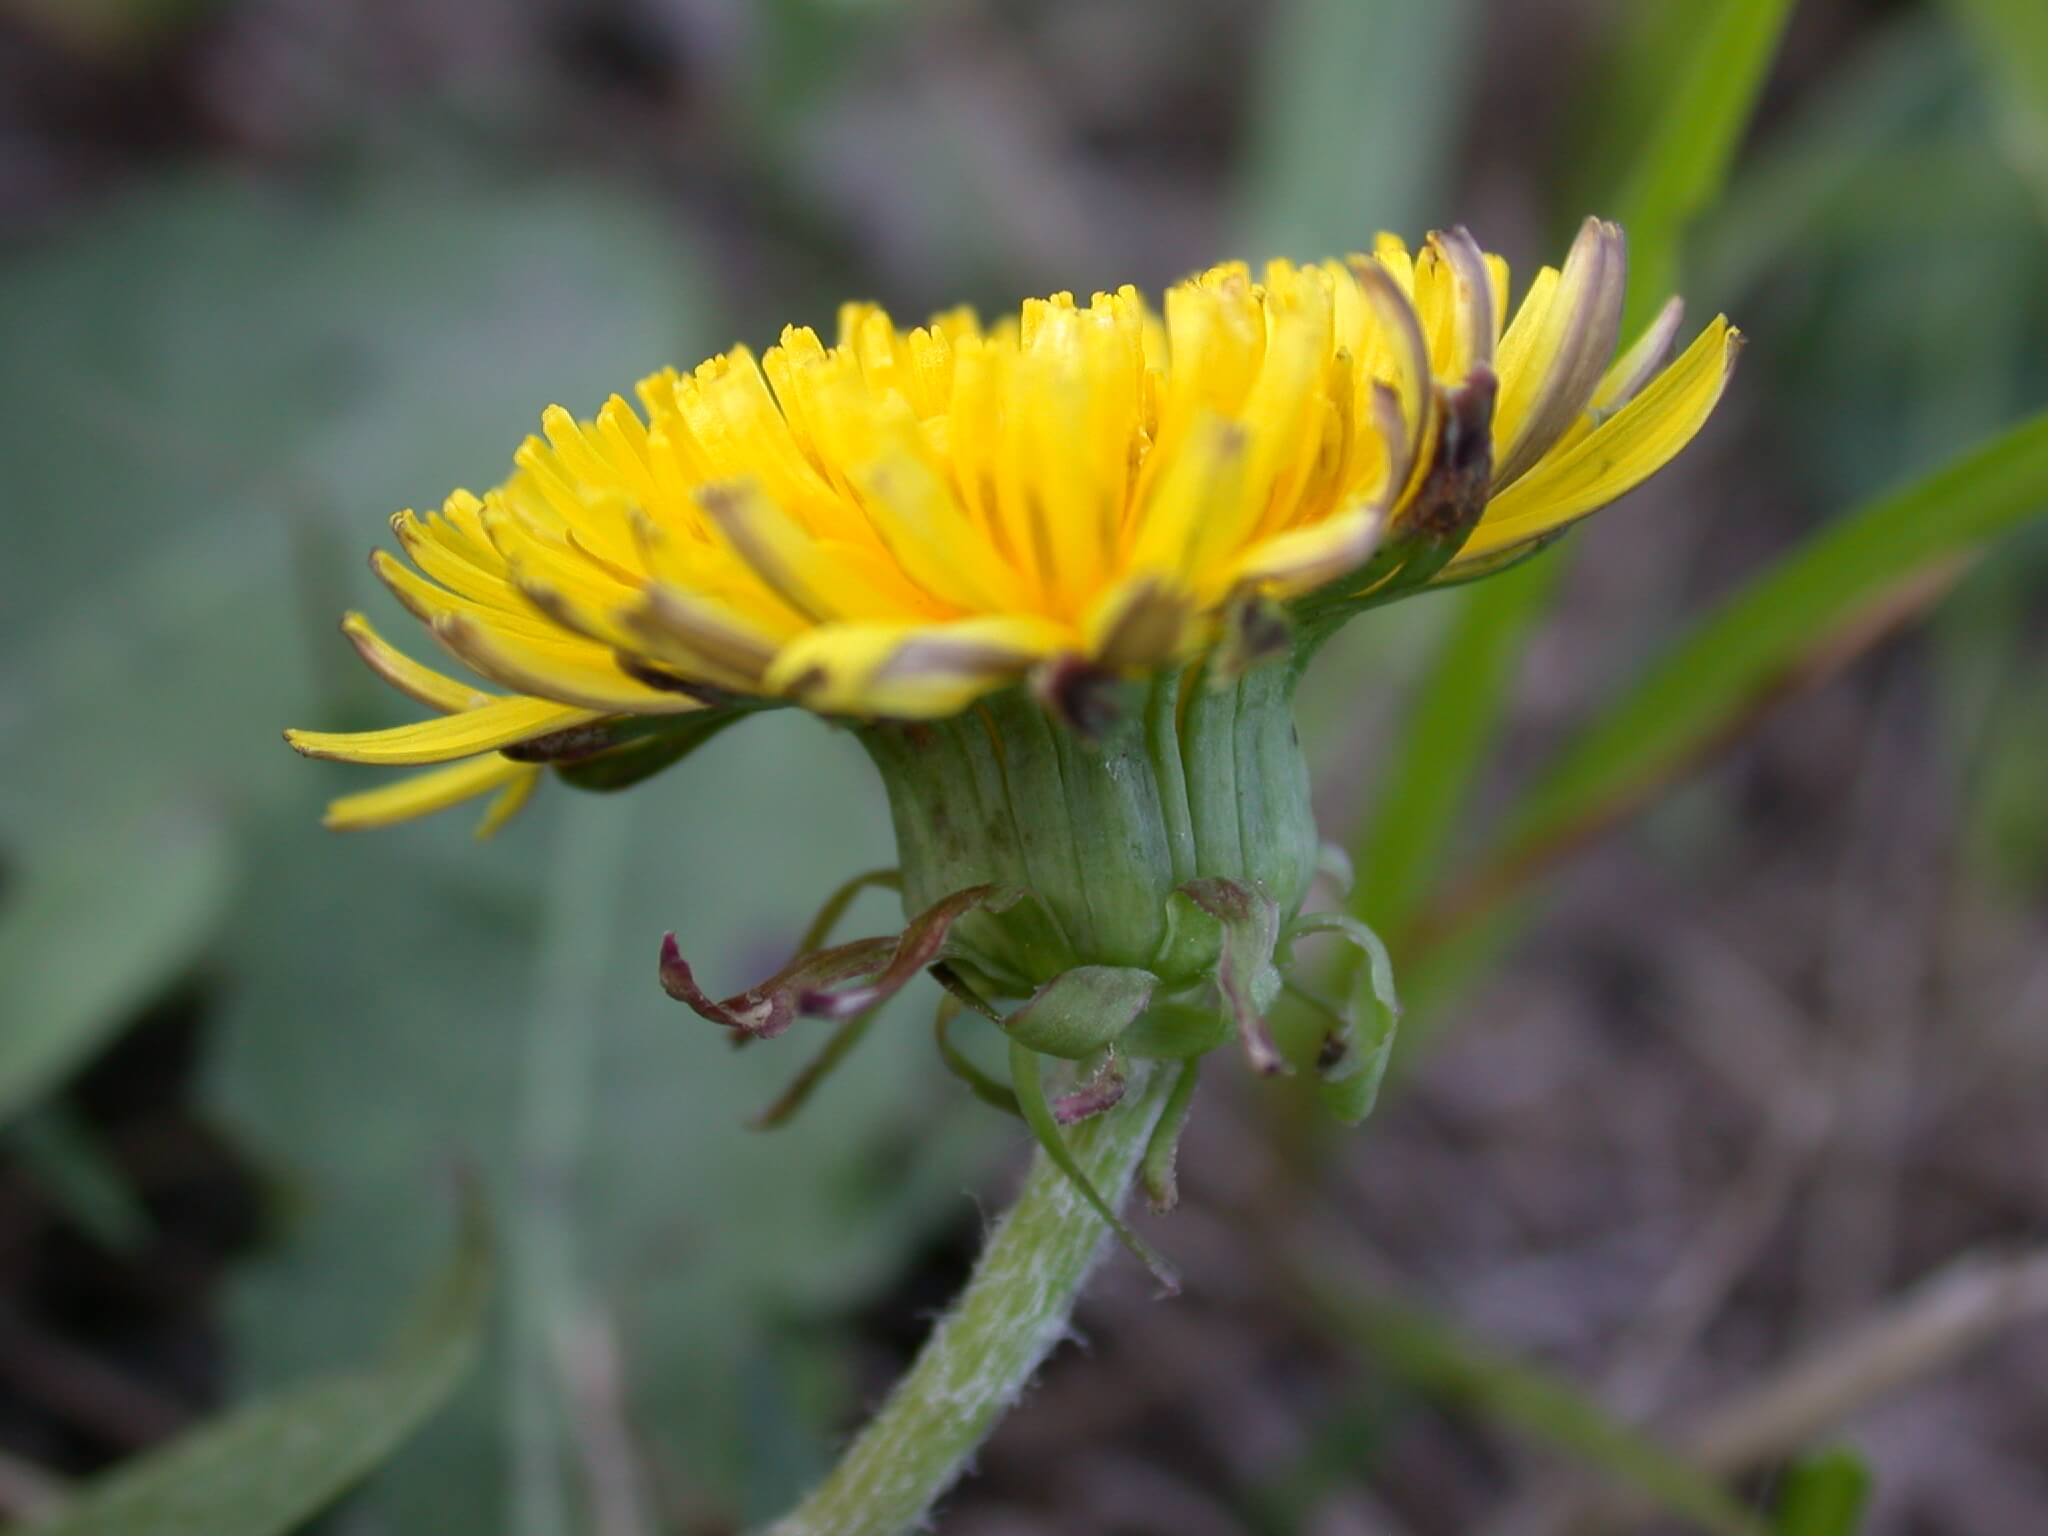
x: 510, y: 801
x: 421, y: 794
x: 1555, y: 365
x: 431, y: 688
x: 501, y: 723
x: 686, y: 630
x: 525, y: 651
x: 1142, y: 621
x: 1454, y: 295
x: 443, y: 555
x: 1630, y: 373
x: 580, y: 675
x: 911, y: 672
x: 1404, y: 365
x: 1620, y: 454
x: 1185, y: 524
x: 824, y: 579
x: 1304, y: 558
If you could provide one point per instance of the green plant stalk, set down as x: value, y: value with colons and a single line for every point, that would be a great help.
x: 986, y: 1349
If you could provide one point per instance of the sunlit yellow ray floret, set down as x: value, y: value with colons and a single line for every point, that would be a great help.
x: 897, y: 524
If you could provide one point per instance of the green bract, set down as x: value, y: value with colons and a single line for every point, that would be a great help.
x: 1109, y: 873
x: 1183, y: 780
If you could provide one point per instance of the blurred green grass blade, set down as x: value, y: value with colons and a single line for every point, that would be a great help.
x: 1795, y: 618
x: 268, y: 1468
x: 1823, y: 1495
x: 1355, y: 123
x: 90, y: 935
x: 1446, y: 737
x: 70, y: 1164
x: 2011, y: 36
x: 1713, y: 74
x: 1854, y: 135
x: 1438, y: 1361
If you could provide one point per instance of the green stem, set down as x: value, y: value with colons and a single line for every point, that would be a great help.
x: 986, y: 1349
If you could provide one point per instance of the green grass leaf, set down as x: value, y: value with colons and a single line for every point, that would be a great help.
x: 1711, y: 73
x: 71, y: 1167
x: 2011, y: 36
x: 90, y: 934
x: 1823, y: 1495
x: 1400, y: 848
x: 1355, y: 123
x: 1815, y: 609
x: 1438, y: 1361
x: 1832, y: 166
x: 273, y: 1465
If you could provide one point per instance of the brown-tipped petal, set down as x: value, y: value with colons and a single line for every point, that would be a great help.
x: 1403, y: 445
x: 566, y: 746
x: 429, y: 687
x: 1256, y: 630
x: 953, y: 657
x: 917, y: 947
x: 1581, y: 332
x: 1453, y: 491
x: 654, y: 675
x: 1142, y: 625
x: 764, y: 1011
x: 1640, y: 363
x: 772, y: 546
x: 1474, y: 288
x: 1078, y: 693
x: 682, y: 630
x: 1395, y: 312
x: 573, y: 673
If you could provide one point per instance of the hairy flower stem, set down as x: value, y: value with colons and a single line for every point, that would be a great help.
x: 984, y: 1351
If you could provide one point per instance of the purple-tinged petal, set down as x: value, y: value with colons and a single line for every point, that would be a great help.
x: 917, y: 947
x: 1103, y: 1090
x: 764, y: 1011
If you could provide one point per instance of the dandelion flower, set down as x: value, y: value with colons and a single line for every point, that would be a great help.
x: 1060, y: 576
x: 898, y: 525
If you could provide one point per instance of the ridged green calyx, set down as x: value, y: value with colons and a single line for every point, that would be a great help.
x: 1187, y: 779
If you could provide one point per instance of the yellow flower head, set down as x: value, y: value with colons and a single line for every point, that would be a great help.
x: 903, y: 522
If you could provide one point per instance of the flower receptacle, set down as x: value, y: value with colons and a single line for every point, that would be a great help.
x: 1188, y: 781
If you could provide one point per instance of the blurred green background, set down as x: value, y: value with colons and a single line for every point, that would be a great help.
x: 1707, y: 1095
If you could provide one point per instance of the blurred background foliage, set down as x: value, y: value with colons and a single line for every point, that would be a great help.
x: 1711, y: 1102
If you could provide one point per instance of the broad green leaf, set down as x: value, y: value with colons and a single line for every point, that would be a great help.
x: 1797, y: 617
x: 226, y: 440
x: 271, y: 1466
x: 1435, y: 1359
x: 1357, y: 123
x: 1823, y: 1495
x: 92, y: 932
